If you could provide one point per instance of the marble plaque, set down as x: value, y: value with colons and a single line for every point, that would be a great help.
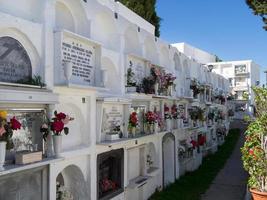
x: 112, y: 117
x: 15, y: 64
x: 81, y: 55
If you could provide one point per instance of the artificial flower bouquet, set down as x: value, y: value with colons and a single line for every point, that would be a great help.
x: 150, y: 117
x: 167, y: 113
x: 133, y: 120
x: 57, y: 125
x: 174, y: 111
x: 7, y: 126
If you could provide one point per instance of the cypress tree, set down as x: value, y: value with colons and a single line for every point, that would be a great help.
x: 259, y: 7
x: 147, y: 10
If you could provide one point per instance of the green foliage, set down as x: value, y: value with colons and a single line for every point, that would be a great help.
x: 36, y: 80
x: 192, y: 185
x: 259, y: 7
x: 217, y: 59
x: 147, y: 10
x: 130, y: 78
x: 254, y: 150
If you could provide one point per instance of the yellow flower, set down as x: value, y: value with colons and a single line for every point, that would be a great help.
x: 3, y: 114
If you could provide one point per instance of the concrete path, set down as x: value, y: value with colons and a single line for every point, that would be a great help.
x: 230, y: 183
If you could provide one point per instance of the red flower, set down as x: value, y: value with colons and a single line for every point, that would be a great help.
x: 166, y: 108
x: 15, y: 124
x: 133, y: 119
x: 61, y: 116
x: 57, y: 126
x: 194, y: 143
x: 202, y: 140
x: 251, y: 152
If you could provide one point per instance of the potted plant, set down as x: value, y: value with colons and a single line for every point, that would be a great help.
x: 57, y: 126
x: 194, y: 86
x: 148, y: 84
x: 254, y: 151
x: 114, y: 134
x: 167, y: 117
x: 6, y: 132
x: 131, y: 83
x: 150, y: 120
x: 169, y: 81
x: 133, y: 122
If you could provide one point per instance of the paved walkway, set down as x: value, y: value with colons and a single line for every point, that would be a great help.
x: 230, y: 183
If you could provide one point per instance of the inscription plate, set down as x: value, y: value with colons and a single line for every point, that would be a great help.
x: 15, y: 64
x: 112, y: 117
x: 81, y: 55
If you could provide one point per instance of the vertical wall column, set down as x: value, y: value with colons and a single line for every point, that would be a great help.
x: 48, y: 42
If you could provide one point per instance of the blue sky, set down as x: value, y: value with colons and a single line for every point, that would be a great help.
x: 226, y: 28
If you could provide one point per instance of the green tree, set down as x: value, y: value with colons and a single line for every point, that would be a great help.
x: 259, y: 7
x: 147, y: 10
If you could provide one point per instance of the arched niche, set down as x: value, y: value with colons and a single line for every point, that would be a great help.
x: 168, y: 158
x: 70, y: 15
x: 131, y: 41
x: 151, y: 158
x: 18, y: 47
x: 105, y: 30
x: 78, y: 135
x: 71, y: 179
x: 64, y: 18
x: 111, y: 75
x: 151, y: 50
x: 164, y: 58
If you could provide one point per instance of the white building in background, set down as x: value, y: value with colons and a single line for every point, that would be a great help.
x: 83, y: 50
x: 242, y: 76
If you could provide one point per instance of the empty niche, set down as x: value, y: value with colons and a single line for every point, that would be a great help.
x: 71, y: 184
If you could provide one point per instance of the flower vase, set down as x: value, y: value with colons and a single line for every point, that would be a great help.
x: 156, y: 88
x: 133, y: 131
x: 57, y: 144
x: 68, y: 71
x: 156, y: 127
x: 169, y: 90
x: 2, y: 155
x: 178, y: 123
x: 151, y: 128
x: 168, y: 124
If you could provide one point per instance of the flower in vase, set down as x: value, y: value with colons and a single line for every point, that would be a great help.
x: 3, y: 114
x: 174, y: 111
x: 133, y: 120
x: 57, y: 126
x: 194, y: 144
x: 167, y: 114
x: 61, y: 116
x: 15, y: 124
x: 2, y: 131
x: 150, y: 117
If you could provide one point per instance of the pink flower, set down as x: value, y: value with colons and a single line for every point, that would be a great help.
x: 66, y: 120
x: 44, y: 126
x: 15, y: 124
x: 2, y: 131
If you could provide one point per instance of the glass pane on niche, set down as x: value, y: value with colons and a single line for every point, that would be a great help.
x: 140, y: 110
x: 29, y: 136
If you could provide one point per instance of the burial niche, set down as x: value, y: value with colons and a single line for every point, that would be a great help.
x: 110, y: 174
x: 15, y: 63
